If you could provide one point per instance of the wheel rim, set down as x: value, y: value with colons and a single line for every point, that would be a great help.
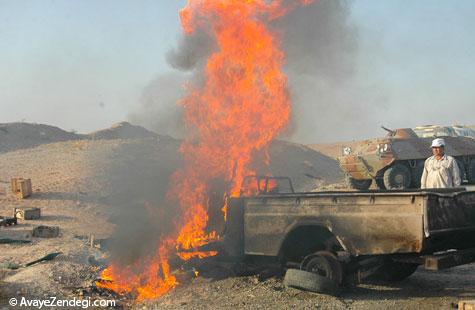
x: 324, y: 263
x: 319, y: 265
x: 316, y: 266
x: 399, y: 178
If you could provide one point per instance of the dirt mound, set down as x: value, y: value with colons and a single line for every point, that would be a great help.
x: 123, y: 130
x: 14, y: 136
x: 307, y: 168
x: 332, y: 150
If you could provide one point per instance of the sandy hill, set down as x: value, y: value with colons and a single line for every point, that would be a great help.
x: 123, y: 130
x: 17, y: 136
x: 332, y: 150
x: 307, y: 168
x: 14, y: 136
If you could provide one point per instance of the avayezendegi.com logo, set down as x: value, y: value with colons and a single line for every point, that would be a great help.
x: 55, y: 302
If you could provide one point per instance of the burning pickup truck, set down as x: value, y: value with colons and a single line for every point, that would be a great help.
x: 328, y: 239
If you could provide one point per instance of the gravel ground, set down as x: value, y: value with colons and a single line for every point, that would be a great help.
x: 423, y: 290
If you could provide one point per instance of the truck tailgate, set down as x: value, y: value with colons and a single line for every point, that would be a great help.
x: 445, y: 214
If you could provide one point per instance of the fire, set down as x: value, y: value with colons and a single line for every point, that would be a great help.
x: 148, y: 279
x: 242, y: 106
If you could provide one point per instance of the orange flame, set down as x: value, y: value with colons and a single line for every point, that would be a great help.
x: 241, y: 108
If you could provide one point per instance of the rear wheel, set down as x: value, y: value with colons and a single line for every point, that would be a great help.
x: 361, y: 185
x: 397, y: 177
x: 310, y: 281
x: 325, y: 264
x: 416, y: 173
x: 380, y: 183
x: 461, y: 166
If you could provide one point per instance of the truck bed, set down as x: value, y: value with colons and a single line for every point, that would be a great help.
x: 365, y: 223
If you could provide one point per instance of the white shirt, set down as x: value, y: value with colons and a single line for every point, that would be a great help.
x: 441, y: 173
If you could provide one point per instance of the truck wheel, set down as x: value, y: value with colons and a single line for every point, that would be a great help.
x: 310, y: 281
x: 397, y: 177
x: 325, y: 264
x: 416, y: 173
x: 471, y: 172
x: 461, y: 166
x: 394, y: 271
x: 360, y: 185
x: 380, y: 183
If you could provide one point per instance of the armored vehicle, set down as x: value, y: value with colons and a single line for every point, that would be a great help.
x: 464, y: 131
x: 397, y: 160
x: 432, y: 131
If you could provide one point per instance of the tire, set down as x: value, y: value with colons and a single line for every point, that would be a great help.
x: 394, y: 271
x: 360, y: 185
x: 310, y: 281
x: 461, y: 166
x: 471, y: 172
x: 397, y: 177
x: 380, y: 183
x: 325, y: 264
x: 416, y: 173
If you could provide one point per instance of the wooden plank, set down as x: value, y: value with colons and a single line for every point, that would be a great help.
x: 13, y: 183
x: 451, y: 259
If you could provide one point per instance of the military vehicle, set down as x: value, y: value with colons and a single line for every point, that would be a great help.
x: 431, y: 131
x: 397, y: 160
x: 464, y: 131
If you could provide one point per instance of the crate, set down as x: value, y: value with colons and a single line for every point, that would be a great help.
x: 21, y: 187
x: 46, y: 232
x: 27, y: 213
x: 8, y: 221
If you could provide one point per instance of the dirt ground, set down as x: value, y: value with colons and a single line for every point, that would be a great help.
x: 79, y: 184
x: 423, y: 290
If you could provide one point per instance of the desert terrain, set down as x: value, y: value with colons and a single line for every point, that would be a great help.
x: 103, y: 184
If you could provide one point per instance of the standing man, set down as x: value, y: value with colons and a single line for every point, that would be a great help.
x: 440, y: 170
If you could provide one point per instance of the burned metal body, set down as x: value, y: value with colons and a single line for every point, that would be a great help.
x: 397, y: 161
x: 373, y: 226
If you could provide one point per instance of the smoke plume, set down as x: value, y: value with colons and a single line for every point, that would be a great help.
x: 321, y: 49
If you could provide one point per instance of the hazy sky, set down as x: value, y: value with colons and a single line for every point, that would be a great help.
x: 83, y: 64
